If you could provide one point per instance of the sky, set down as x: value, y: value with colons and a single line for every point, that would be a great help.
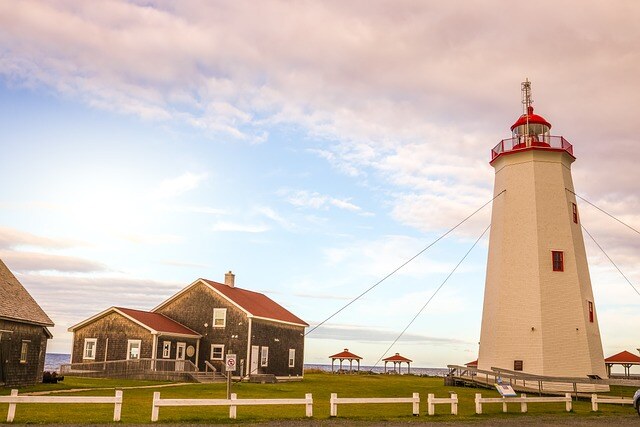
x: 309, y: 147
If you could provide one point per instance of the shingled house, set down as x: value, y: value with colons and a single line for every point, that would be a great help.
x: 202, y: 323
x: 23, y: 333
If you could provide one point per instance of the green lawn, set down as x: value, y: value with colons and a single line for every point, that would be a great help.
x: 136, y: 407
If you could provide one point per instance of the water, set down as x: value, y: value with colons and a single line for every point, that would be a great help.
x: 52, y: 362
x: 432, y: 372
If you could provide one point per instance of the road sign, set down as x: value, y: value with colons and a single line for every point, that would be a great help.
x: 230, y: 362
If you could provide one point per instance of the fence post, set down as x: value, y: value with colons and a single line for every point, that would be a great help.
x: 333, y: 405
x: 309, y: 406
x: 454, y: 404
x: 431, y: 407
x: 12, y: 407
x: 594, y: 402
x: 478, y: 403
x: 232, y: 407
x: 569, y: 402
x: 117, y: 408
x: 416, y: 404
x: 504, y: 404
x: 523, y: 404
x: 154, y: 408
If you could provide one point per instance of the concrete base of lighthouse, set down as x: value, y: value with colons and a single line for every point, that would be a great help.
x: 536, y: 319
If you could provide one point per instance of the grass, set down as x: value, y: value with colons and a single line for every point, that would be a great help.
x: 136, y: 406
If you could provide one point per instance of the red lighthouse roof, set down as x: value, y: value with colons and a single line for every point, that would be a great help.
x: 532, y: 118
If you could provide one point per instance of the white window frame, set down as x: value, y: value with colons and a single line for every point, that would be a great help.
x: 264, y: 356
x: 93, y: 341
x: 292, y: 357
x: 219, y: 313
x: 166, y: 349
x: 24, y: 351
x: 129, y: 342
x: 220, y: 346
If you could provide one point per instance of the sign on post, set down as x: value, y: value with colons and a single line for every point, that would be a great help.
x: 230, y: 362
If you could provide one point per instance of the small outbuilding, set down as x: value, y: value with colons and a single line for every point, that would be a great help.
x: 23, y: 333
x: 398, y: 360
x: 345, y: 355
x: 624, y: 358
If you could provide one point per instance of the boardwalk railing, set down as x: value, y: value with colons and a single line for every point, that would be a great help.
x: 335, y: 401
x: 232, y: 403
x: 432, y: 401
x: 595, y: 399
x: 523, y: 400
x: 14, y: 399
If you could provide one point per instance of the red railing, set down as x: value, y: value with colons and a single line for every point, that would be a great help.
x: 537, y: 141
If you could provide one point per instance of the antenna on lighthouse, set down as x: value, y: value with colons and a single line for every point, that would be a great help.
x: 526, y: 102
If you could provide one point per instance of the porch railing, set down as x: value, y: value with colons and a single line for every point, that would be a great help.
x: 126, y: 368
x: 537, y: 141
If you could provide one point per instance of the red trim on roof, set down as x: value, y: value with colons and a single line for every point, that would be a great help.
x: 533, y: 119
x: 157, y: 322
x: 397, y: 358
x: 256, y: 304
x: 623, y: 357
x: 346, y: 354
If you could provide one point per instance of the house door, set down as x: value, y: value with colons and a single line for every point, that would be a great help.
x: 255, y: 357
x: 180, y: 356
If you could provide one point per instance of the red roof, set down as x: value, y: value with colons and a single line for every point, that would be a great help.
x: 471, y: 364
x: 256, y: 304
x: 397, y: 358
x: 157, y: 322
x: 533, y: 118
x: 623, y: 357
x: 346, y: 354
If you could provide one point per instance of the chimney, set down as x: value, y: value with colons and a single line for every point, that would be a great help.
x: 229, y: 279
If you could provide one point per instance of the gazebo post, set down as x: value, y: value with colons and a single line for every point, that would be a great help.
x: 408, y: 368
x: 385, y: 367
x: 358, y: 365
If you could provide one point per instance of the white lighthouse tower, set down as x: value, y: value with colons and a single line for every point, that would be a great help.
x: 539, y: 315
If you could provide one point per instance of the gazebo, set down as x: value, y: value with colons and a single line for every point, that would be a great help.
x: 345, y: 355
x: 473, y: 364
x: 624, y: 358
x: 397, y: 360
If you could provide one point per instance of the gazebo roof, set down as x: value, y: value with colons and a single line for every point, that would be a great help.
x: 471, y: 364
x: 397, y: 358
x: 346, y: 354
x: 623, y: 357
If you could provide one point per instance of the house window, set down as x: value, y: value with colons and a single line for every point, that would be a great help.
x: 517, y: 365
x: 590, y: 311
x: 89, y: 348
x: 24, y: 350
x: 575, y: 212
x: 133, y: 349
x: 292, y: 357
x: 219, y: 317
x: 264, y: 356
x: 217, y: 351
x: 558, y: 260
x: 166, y: 349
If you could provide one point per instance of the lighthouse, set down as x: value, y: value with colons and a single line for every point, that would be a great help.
x: 539, y: 314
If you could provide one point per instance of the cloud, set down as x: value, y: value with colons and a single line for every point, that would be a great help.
x: 12, y: 238
x: 355, y: 333
x: 176, y: 186
x: 33, y: 261
x: 238, y: 227
x: 314, y: 200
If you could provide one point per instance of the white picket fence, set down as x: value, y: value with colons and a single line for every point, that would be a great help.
x: 622, y: 400
x: 232, y: 403
x: 523, y: 400
x: 14, y: 399
x: 432, y: 401
x: 335, y: 401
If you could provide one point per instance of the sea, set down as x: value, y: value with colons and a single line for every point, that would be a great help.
x: 52, y: 362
